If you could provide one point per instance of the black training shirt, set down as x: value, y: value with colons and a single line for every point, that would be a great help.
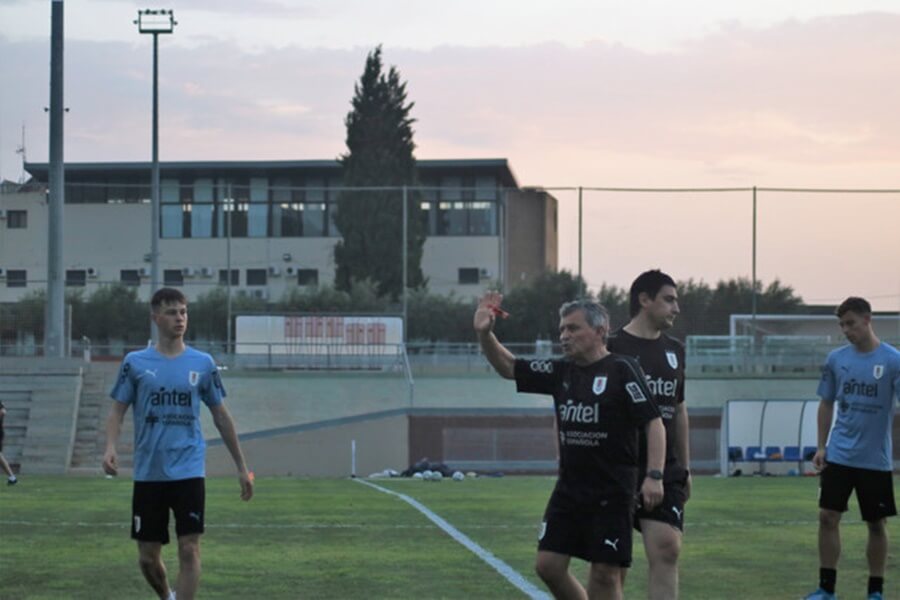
x: 599, y: 410
x: 662, y: 360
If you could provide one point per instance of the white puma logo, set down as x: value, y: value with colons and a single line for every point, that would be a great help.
x: 151, y: 372
x: 677, y: 512
x: 614, y: 544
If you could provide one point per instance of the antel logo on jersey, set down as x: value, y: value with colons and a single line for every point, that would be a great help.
x: 667, y: 388
x: 541, y: 366
x: 579, y: 413
x: 672, y: 359
x: 860, y: 388
x: 166, y: 397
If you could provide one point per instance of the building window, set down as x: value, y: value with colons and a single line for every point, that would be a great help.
x: 256, y: 276
x: 469, y: 275
x: 130, y: 277
x: 171, y: 209
x: 76, y: 278
x: 16, y: 278
x: 307, y: 277
x: 173, y: 278
x: 235, y: 277
x: 16, y: 219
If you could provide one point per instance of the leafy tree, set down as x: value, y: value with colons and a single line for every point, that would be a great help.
x: 362, y: 297
x: 116, y: 312
x: 379, y: 154
x: 534, y: 309
x: 615, y: 300
x: 434, y: 318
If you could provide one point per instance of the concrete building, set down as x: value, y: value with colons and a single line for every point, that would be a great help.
x: 270, y: 223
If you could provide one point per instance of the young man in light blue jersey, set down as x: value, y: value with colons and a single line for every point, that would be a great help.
x: 863, y: 380
x: 166, y: 384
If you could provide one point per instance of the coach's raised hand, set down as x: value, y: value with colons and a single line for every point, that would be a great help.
x: 487, y: 311
x: 500, y: 358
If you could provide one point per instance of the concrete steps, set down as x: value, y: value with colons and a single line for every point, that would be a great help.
x: 90, y: 433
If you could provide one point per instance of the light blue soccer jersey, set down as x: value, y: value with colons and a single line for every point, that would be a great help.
x: 165, y: 394
x: 863, y: 387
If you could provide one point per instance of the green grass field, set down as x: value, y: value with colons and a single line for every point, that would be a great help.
x: 746, y: 538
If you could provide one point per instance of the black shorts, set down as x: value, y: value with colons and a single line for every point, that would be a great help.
x: 670, y: 510
x: 152, y: 500
x: 874, y: 490
x: 595, y: 536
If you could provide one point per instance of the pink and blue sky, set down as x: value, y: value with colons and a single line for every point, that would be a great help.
x: 590, y: 93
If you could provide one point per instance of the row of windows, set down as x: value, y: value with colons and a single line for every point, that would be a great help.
x: 303, y: 219
x: 171, y: 277
x: 175, y: 277
x: 215, y: 220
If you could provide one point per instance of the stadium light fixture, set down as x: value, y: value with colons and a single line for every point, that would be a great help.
x: 155, y: 22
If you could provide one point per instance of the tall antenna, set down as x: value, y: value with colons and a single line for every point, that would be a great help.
x: 21, y: 150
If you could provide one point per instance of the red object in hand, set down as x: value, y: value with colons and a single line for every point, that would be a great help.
x: 498, y: 312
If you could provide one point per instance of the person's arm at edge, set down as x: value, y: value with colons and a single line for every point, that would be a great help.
x: 652, y: 489
x: 496, y: 353
x: 823, y: 419
x: 683, y: 429
x: 113, y: 430
x: 225, y: 424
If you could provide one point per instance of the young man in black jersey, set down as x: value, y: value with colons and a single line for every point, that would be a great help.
x: 653, y: 308
x: 601, y: 401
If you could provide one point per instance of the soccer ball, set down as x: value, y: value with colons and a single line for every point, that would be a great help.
x: 436, y: 476
x: 418, y: 476
x: 458, y: 476
x: 426, y: 474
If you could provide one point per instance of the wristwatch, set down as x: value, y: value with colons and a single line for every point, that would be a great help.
x: 655, y: 474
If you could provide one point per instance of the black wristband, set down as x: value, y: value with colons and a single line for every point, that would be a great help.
x: 655, y: 474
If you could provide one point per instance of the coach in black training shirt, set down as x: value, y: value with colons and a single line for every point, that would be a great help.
x: 653, y: 309
x: 601, y: 401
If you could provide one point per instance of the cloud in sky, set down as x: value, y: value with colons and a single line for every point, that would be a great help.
x: 802, y: 103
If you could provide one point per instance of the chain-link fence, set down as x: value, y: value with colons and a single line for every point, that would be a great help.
x: 266, y: 245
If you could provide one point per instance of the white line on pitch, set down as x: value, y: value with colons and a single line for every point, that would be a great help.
x: 498, y: 565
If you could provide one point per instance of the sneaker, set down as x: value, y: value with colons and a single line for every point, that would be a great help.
x: 875, y: 596
x: 12, y: 481
x: 820, y: 594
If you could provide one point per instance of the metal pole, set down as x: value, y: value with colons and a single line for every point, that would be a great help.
x: 229, y: 206
x: 154, y: 184
x: 580, y: 230
x: 753, y: 301
x: 55, y: 307
x: 405, y: 263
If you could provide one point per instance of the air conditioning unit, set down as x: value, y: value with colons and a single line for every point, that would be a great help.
x: 261, y: 294
x: 484, y: 273
x: 290, y: 271
x: 92, y: 272
x: 275, y: 271
x: 148, y: 257
x: 189, y: 271
x: 207, y: 271
x: 144, y: 272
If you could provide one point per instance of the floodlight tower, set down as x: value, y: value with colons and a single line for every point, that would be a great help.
x: 155, y: 22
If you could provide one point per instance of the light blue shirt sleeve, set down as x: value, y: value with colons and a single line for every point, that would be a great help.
x: 827, y: 387
x: 212, y: 392
x: 124, y: 389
